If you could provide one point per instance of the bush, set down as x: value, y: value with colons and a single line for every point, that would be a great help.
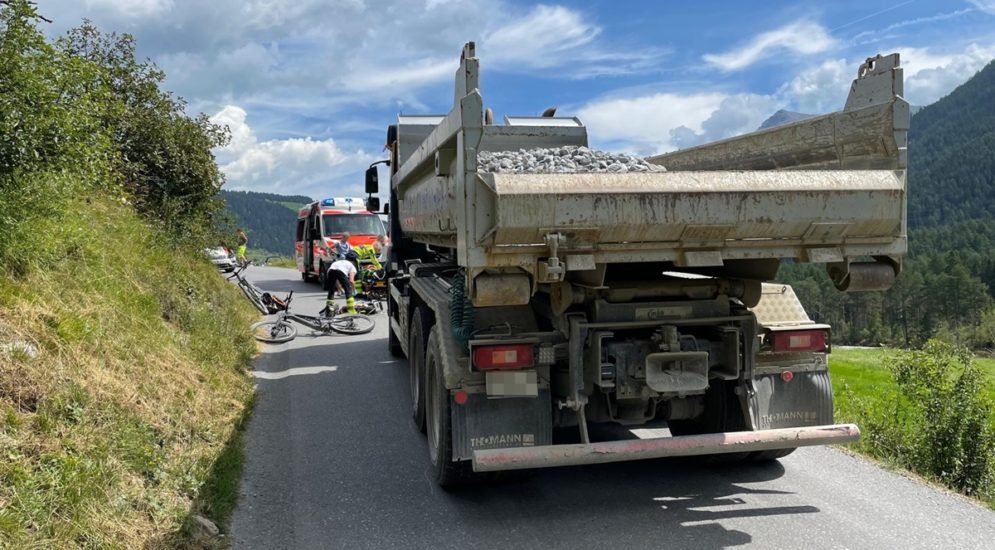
x: 939, y: 423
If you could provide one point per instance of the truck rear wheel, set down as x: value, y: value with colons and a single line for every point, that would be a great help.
x: 438, y: 417
x: 767, y: 456
x: 421, y: 323
x: 723, y: 413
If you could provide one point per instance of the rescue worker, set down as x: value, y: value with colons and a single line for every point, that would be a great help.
x: 342, y: 272
x: 243, y: 241
x: 366, y: 260
x: 342, y: 247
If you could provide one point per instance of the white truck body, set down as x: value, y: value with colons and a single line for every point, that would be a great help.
x: 632, y: 293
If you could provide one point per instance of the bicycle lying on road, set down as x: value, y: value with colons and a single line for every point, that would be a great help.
x: 265, y: 302
x: 282, y: 330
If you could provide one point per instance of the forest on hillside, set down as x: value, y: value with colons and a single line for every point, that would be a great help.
x: 267, y: 218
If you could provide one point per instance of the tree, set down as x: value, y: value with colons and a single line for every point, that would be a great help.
x: 165, y: 156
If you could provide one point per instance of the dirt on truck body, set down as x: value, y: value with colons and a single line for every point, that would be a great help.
x: 547, y: 315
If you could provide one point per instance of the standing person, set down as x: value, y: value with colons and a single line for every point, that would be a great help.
x: 342, y: 247
x: 342, y: 272
x: 243, y: 241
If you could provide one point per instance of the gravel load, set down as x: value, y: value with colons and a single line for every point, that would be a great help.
x: 561, y: 160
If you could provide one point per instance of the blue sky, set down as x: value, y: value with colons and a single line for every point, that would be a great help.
x: 309, y: 86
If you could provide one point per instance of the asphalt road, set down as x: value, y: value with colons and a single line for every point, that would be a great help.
x: 333, y: 461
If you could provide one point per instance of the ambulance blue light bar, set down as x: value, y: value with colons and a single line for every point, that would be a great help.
x: 343, y: 201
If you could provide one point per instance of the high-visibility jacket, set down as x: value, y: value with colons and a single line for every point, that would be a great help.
x: 367, y: 253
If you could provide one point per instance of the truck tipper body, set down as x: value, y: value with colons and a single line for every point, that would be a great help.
x: 574, y: 318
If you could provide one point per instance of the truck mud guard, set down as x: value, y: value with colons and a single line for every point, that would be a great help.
x: 547, y: 456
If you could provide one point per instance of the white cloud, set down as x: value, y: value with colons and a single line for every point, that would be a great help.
x: 643, y: 124
x: 737, y: 114
x: 411, y: 76
x: 289, y: 166
x: 822, y: 89
x: 987, y: 6
x: 929, y: 75
x: 540, y: 38
x: 878, y: 34
x: 132, y: 8
x: 804, y: 37
x: 658, y: 122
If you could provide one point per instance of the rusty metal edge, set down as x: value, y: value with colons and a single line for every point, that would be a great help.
x: 548, y: 456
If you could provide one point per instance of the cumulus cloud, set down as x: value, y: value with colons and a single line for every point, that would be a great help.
x: 929, y: 75
x: 643, y: 124
x: 351, y: 52
x: 289, y: 166
x: 737, y: 114
x: 822, y: 89
x: 804, y: 37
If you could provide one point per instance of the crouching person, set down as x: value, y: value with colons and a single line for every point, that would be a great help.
x: 342, y: 273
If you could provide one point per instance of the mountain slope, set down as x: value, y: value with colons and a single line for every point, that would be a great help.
x: 267, y: 218
x: 782, y: 117
x: 952, y: 155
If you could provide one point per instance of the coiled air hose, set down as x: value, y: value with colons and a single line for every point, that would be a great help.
x: 460, y: 310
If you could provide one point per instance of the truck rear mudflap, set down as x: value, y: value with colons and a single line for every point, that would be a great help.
x: 548, y: 456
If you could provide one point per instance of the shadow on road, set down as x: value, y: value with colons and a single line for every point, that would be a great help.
x: 363, y: 453
x: 683, y: 502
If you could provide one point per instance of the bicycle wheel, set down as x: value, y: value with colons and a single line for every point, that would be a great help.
x: 352, y: 324
x: 274, y: 332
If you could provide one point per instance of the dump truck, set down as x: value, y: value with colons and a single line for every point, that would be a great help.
x: 554, y: 319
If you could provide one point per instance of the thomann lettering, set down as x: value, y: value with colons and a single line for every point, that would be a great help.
x: 787, y: 416
x: 503, y: 440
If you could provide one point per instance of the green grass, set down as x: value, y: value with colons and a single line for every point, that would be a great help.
x: 127, y: 421
x: 866, y: 373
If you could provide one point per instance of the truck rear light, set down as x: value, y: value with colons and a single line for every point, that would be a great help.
x: 799, y: 341
x: 505, y: 357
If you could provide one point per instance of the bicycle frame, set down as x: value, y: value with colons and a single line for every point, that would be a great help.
x: 313, y: 322
x: 264, y: 301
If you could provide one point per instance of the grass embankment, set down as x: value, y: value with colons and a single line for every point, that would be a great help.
x: 939, y: 428
x: 126, y: 420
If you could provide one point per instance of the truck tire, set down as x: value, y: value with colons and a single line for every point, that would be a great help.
x: 773, y: 454
x: 723, y: 413
x: 438, y: 417
x: 393, y: 342
x: 421, y: 323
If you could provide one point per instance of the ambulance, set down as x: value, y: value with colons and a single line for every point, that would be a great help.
x: 321, y: 224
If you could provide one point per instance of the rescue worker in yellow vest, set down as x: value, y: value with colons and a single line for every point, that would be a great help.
x: 366, y: 253
x: 342, y: 272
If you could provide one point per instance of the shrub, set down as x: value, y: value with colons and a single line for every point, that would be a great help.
x: 941, y: 422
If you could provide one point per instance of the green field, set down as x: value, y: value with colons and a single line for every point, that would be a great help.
x: 866, y: 373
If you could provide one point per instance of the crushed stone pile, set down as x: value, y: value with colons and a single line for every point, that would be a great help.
x: 561, y: 160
